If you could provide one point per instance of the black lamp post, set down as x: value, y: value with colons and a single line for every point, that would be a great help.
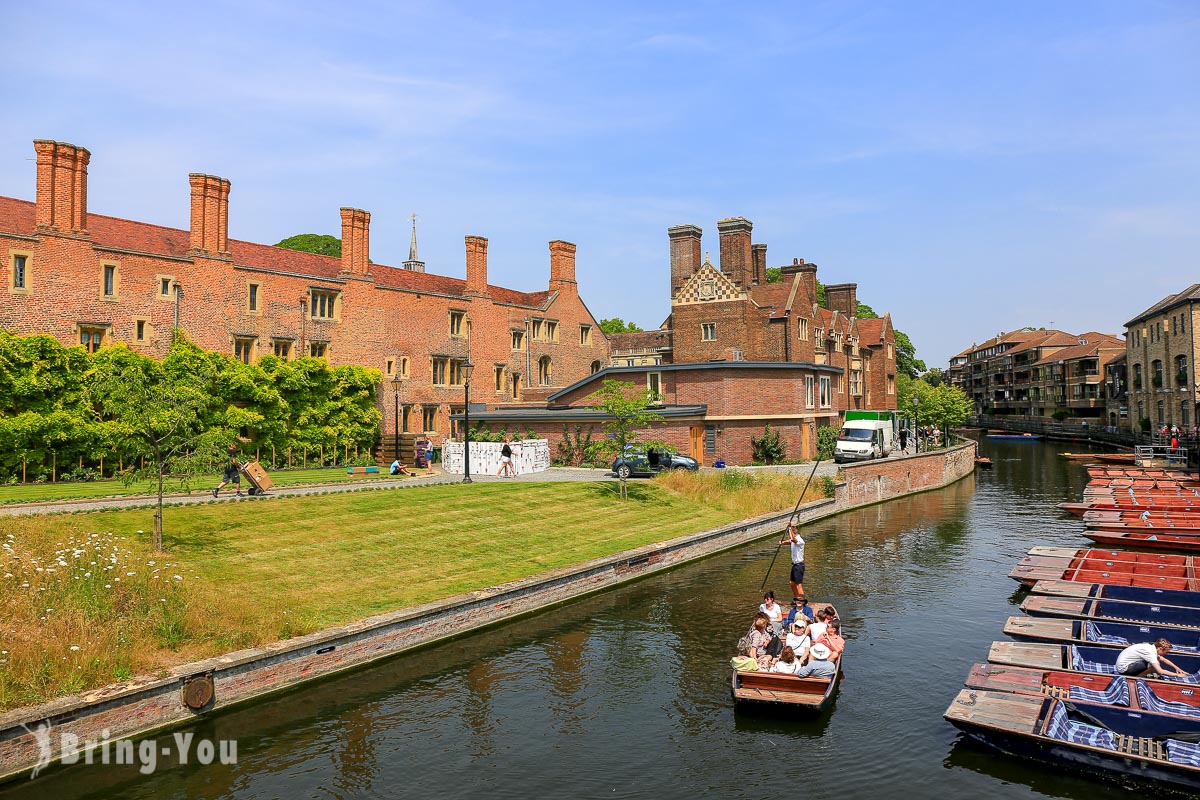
x: 917, y: 421
x: 467, y: 369
x: 396, y: 416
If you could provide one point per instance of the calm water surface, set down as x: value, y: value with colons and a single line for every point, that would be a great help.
x: 627, y: 694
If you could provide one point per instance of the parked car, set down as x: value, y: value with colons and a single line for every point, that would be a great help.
x: 639, y: 462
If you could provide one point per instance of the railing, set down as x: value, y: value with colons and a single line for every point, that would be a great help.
x: 1189, y: 442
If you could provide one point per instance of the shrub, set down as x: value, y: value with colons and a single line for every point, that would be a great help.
x: 1060, y: 415
x: 827, y: 485
x: 768, y: 448
x: 826, y: 442
x: 1144, y: 424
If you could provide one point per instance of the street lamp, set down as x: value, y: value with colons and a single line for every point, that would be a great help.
x: 396, y: 416
x: 467, y: 369
x: 916, y: 421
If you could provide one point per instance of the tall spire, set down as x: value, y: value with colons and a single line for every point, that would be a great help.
x: 414, y: 263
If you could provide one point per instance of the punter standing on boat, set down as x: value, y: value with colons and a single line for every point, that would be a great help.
x: 1139, y: 660
x: 797, y: 543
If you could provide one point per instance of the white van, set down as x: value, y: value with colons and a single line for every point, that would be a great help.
x: 862, y: 439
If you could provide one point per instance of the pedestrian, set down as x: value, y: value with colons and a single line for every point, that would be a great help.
x: 1174, y: 441
x: 903, y: 439
x: 506, y: 462
x: 429, y: 454
x: 399, y: 469
x: 797, y: 543
x: 233, y: 472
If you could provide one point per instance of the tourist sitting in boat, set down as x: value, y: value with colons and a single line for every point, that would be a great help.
x: 818, y: 628
x: 831, y: 614
x: 832, y: 638
x: 1140, y: 660
x: 760, y: 637
x: 773, y: 610
x: 787, y: 664
x: 800, y: 610
x: 797, y: 639
x: 743, y: 661
x: 819, y: 663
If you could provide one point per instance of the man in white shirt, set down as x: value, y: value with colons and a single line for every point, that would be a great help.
x: 797, y: 543
x: 1139, y: 660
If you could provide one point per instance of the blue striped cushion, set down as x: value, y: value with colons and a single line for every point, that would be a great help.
x: 1082, y: 665
x: 1117, y: 693
x: 1152, y: 702
x: 1093, y: 634
x: 1061, y: 727
x: 1183, y: 752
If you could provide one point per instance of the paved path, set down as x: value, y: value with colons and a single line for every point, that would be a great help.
x: 422, y: 479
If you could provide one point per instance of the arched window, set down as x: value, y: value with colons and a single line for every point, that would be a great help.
x: 595, y: 367
x: 545, y: 371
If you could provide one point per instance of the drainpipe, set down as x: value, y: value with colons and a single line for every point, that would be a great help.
x: 528, y: 349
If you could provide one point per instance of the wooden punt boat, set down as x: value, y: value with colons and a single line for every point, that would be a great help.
x: 983, y: 462
x: 1139, y: 694
x: 783, y: 693
x: 1145, y: 518
x: 1116, y: 458
x: 1094, y: 608
x: 1133, y: 594
x: 1079, y: 658
x: 1025, y: 437
x: 1078, y: 456
x: 1176, y: 542
x: 1116, y: 741
x: 1094, y: 565
x: 1099, y: 633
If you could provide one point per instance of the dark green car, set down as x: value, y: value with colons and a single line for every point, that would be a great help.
x: 638, y: 462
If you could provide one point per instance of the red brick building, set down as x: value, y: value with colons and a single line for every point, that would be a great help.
x: 738, y: 353
x: 95, y: 280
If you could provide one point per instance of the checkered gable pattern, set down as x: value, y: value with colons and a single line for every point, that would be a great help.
x: 706, y: 285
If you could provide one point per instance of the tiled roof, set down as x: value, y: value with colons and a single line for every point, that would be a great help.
x: 870, y: 331
x: 1191, y: 293
x: 772, y: 297
x: 1095, y: 342
x: 1051, y: 338
x: 639, y: 340
x: 19, y: 216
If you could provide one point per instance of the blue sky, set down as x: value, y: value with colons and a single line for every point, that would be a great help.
x: 973, y: 167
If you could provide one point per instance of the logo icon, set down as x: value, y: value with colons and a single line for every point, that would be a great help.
x: 41, y: 732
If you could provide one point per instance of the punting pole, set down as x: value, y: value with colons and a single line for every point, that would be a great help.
x: 791, y: 520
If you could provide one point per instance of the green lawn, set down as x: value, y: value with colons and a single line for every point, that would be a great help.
x: 239, y: 574
x: 40, y: 492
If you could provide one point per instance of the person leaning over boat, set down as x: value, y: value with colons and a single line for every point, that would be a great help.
x: 743, y: 661
x: 797, y: 543
x: 1139, y: 660
x: 773, y: 611
x: 819, y: 665
x: 787, y: 664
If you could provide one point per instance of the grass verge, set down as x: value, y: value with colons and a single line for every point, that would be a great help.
x: 86, y: 603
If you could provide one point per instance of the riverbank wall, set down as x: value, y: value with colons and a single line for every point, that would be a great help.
x: 30, y: 737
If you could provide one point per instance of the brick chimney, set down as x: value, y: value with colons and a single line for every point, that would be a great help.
x: 736, y: 253
x: 808, y: 276
x: 210, y: 216
x: 477, y: 266
x: 562, y: 267
x: 685, y: 254
x: 356, y: 241
x: 61, y: 187
x: 758, y: 275
x: 842, y: 297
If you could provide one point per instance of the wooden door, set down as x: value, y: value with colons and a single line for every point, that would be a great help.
x: 698, y: 444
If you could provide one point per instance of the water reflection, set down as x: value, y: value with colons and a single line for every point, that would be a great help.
x: 627, y: 694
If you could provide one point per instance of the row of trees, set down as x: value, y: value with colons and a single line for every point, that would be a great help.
x: 62, y: 404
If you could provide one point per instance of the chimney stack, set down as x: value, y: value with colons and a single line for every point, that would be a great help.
x: 61, y: 187
x: 736, y: 254
x: 477, y: 266
x: 210, y: 216
x: 562, y: 267
x: 842, y: 297
x: 758, y: 275
x: 808, y: 276
x: 685, y: 254
x: 356, y: 241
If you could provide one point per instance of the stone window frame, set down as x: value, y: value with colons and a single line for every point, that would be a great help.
x: 334, y: 305
x: 707, y: 328
x: 498, y: 373
x: 825, y: 398
x: 146, y: 331
x: 585, y: 335
x: 545, y: 371
x: 318, y: 348
x: 550, y: 330
x: 429, y: 415
x: 104, y: 328
x: 115, y: 266
x: 287, y: 342
x: 518, y: 340
x: 457, y: 321
x: 159, y: 294
x: 449, y: 369
x: 26, y: 286
x: 248, y: 345
x: 810, y: 391
x: 254, y: 298
x: 653, y: 378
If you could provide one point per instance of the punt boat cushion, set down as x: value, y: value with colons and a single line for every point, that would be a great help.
x: 1093, y: 634
x: 1117, y: 693
x: 1152, y: 702
x: 1081, y: 664
x: 1183, y: 752
x: 1061, y: 727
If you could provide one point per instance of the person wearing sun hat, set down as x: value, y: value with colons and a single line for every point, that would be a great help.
x: 797, y: 638
x: 819, y: 665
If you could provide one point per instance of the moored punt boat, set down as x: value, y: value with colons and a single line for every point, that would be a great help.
x: 1123, y: 743
x: 1145, y: 518
x: 1028, y: 437
x: 1079, y: 658
x: 1111, y: 610
x: 1091, y: 565
x: 1078, y: 456
x: 1135, y: 594
x: 1100, y: 633
x: 1180, y: 542
x: 983, y: 462
x: 785, y: 693
x: 1116, y: 458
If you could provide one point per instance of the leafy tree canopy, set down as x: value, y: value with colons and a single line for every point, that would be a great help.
x: 629, y: 415
x: 906, y: 356
x: 618, y: 325
x: 318, y: 243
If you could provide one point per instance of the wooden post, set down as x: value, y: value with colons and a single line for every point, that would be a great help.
x: 54, y: 467
x: 256, y: 454
x: 289, y: 457
x: 22, y: 469
x: 306, y: 456
x: 321, y: 450
x: 347, y: 456
x: 272, y: 456
x: 101, y: 466
x: 81, y: 462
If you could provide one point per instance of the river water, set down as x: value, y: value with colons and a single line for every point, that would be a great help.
x: 627, y: 694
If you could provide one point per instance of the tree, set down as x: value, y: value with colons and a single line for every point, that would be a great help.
x: 318, y: 243
x: 618, y: 325
x: 768, y: 448
x: 629, y: 414
x: 934, y: 376
x: 906, y: 356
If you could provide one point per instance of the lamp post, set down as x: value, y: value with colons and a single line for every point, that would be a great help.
x: 396, y: 417
x: 916, y: 421
x: 467, y: 369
